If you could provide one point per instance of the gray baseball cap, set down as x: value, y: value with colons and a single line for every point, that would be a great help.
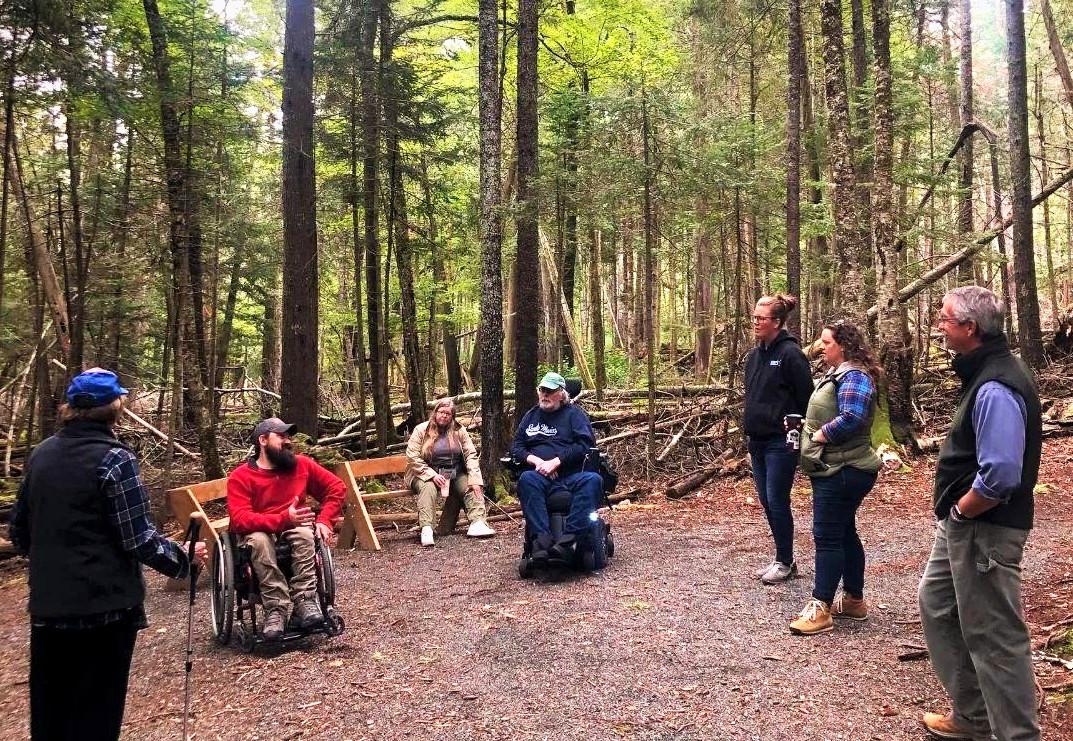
x: 273, y: 424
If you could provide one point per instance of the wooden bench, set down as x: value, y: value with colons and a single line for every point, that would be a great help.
x: 358, y: 527
x: 185, y: 501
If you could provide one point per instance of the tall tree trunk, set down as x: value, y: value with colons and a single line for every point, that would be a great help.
x: 894, y: 350
x: 490, y: 329
x: 1024, y: 265
x: 299, y: 384
x: 796, y: 61
x: 862, y: 126
x: 596, y: 312
x: 441, y: 308
x: 5, y: 177
x: 378, y: 349
x: 1045, y: 177
x: 357, y: 339
x: 1054, y: 41
x: 849, y: 239
x: 650, y: 280
x: 527, y: 267
x: 964, y: 223
x: 182, y: 209
x: 820, y: 297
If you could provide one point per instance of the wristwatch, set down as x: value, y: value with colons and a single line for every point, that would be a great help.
x: 956, y: 515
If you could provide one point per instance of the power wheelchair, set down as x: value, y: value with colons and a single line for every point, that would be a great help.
x: 236, y: 598
x: 591, y: 550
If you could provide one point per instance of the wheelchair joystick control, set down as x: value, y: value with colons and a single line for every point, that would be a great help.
x: 793, y: 424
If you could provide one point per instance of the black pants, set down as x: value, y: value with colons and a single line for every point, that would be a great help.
x: 78, y: 681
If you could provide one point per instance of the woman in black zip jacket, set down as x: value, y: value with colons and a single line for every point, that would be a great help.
x: 778, y: 382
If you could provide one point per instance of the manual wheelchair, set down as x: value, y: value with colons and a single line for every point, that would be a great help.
x: 236, y: 599
x: 592, y: 550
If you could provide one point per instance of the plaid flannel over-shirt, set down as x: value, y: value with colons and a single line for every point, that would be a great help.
x: 855, y: 394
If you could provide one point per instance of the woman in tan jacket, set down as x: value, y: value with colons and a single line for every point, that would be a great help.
x: 443, y: 462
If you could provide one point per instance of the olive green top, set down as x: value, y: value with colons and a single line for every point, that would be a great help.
x: 826, y: 459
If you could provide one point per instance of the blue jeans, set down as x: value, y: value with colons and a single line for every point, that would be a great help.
x: 839, y: 553
x: 773, y: 472
x: 534, y: 490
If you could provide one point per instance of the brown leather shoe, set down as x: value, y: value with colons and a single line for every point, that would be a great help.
x: 847, y: 606
x: 944, y: 726
x: 815, y: 618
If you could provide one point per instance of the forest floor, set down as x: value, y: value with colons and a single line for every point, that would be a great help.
x: 675, y: 639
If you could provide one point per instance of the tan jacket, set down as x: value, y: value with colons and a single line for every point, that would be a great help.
x: 418, y: 468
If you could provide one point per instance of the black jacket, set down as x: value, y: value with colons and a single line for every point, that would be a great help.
x: 778, y: 381
x: 77, y: 562
x: 957, y: 465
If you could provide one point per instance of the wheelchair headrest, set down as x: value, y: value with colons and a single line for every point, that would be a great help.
x: 573, y: 386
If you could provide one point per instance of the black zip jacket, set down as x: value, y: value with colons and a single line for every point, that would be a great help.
x: 778, y: 381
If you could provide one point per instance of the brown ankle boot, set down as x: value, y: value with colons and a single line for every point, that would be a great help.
x: 815, y: 618
x: 850, y: 607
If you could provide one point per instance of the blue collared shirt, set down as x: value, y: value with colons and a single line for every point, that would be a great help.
x: 999, y: 418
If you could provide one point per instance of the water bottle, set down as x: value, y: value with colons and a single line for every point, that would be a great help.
x: 792, y: 423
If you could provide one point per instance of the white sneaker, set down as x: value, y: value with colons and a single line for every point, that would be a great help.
x: 426, y: 536
x: 480, y: 529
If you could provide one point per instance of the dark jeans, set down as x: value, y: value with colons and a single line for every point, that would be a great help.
x: 839, y: 553
x: 78, y: 681
x: 534, y: 490
x: 773, y: 472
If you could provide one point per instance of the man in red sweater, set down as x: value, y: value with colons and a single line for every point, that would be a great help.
x: 266, y: 500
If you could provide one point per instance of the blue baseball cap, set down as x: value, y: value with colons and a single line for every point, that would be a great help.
x: 94, y: 388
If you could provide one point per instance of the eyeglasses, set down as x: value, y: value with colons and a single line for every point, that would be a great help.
x: 940, y: 320
x: 757, y: 319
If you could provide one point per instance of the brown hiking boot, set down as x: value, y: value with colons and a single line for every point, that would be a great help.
x: 944, y: 726
x: 275, y: 623
x: 815, y: 618
x: 848, y: 606
x: 307, y: 613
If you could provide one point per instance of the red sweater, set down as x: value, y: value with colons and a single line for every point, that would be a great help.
x: 258, y: 499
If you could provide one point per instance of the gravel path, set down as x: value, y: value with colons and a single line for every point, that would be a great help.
x: 674, y: 640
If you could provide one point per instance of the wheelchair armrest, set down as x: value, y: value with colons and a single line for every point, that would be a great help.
x: 513, y: 466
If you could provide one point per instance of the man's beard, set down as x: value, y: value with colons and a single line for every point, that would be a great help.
x: 550, y: 405
x: 281, y: 458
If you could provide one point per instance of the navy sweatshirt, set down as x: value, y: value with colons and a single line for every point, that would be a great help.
x: 565, y: 434
x: 778, y: 381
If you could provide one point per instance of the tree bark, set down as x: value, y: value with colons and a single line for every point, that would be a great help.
x: 1054, y: 41
x: 527, y: 268
x: 894, y: 351
x: 299, y: 384
x: 490, y: 329
x: 849, y: 241
x: 182, y: 209
x: 795, y: 63
x: 1024, y: 265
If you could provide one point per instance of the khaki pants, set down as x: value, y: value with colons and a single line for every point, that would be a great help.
x: 970, y: 609
x: 275, y: 592
x: 428, y: 494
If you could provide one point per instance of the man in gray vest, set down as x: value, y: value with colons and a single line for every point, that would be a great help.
x: 82, y: 516
x: 970, y: 595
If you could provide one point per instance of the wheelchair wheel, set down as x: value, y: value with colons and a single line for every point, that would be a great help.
x: 247, y: 639
x: 333, y: 623
x: 325, y: 574
x: 525, y: 567
x: 596, y: 558
x: 609, y: 543
x: 223, y: 591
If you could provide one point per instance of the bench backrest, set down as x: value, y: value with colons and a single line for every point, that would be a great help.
x: 184, y: 501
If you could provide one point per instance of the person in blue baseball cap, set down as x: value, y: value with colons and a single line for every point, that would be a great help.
x: 82, y: 516
x: 95, y: 387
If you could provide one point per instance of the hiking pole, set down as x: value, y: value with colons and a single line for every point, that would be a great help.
x: 192, y: 539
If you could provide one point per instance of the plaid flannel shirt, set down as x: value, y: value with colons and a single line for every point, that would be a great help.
x: 855, y: 394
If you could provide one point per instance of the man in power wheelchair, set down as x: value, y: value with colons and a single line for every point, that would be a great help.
x: 282, y: 545
x: 560, y: 485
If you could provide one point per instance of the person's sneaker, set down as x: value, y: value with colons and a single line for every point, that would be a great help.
x: 815, y: 618
x: 849, y: 607
x: 779, y: 572
x: 480, y: 529
x: 426, y: 536
x: 307, y: 613
x: 760, y: 573
x: 944, y: 726
x: 275, y: 623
